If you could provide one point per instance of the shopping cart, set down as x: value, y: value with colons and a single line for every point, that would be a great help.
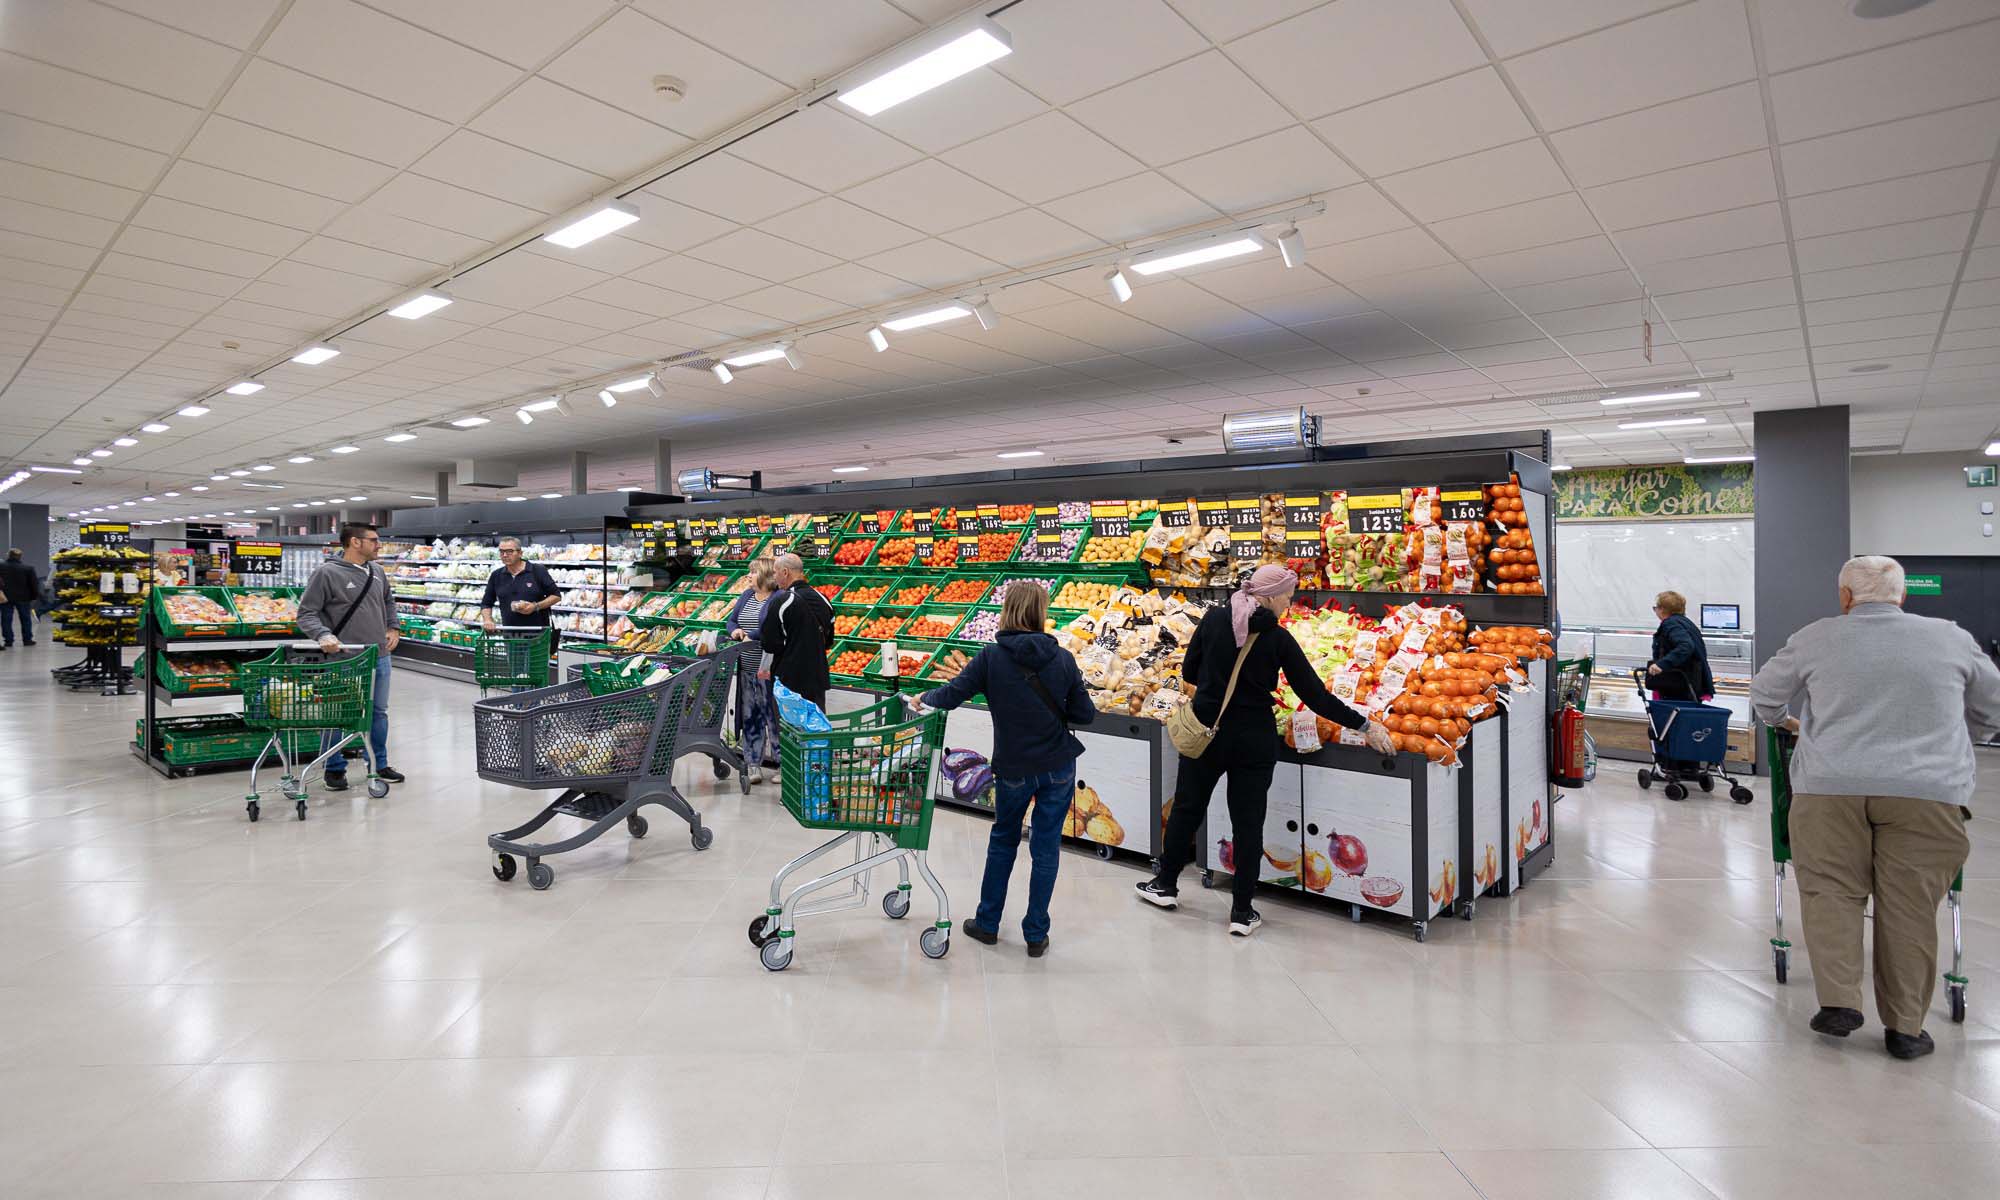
x: 1573, y: 682
x: 300, y: 687
x: 869, y: 775
x: 610, y: 754
x: 1690, y: 740
x: 707, y: 714
x: 1778, y: 745
x: 515, y: 657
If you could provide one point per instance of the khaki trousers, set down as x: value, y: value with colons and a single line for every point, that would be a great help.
x: 1904, y: 850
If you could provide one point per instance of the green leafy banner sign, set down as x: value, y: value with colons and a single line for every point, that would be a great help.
x: 1672, y: 492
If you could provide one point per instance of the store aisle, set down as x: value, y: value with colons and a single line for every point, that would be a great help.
x: 352, y: 1007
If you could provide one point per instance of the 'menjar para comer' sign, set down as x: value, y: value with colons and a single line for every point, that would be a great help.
x: 1671, y: 492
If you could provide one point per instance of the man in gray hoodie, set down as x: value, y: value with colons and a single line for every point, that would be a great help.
x: 348, y: 601
x: 1888, y: 706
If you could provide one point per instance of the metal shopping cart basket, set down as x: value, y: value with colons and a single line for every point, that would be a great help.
x: 1778, y: 745
x: 610, y: 754
x: 1573, y: 682
x: 707, y: 713
x: 299, y: 687
x: 515, y: 657
x: 868, y: 776
x: 1690, y: 741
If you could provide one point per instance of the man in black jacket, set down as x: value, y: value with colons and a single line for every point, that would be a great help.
x: 1679, y: 670
x: 19, y: 589
x: 798, y: 627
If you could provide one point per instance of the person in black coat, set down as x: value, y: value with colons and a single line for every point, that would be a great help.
x: 1034, y: 693
x: 1246, y: 742
x: 797, y: 629
x: 19, y: 589
x: 1679, y: 666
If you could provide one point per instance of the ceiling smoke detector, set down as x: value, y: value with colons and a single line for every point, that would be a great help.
x: 671, y: 88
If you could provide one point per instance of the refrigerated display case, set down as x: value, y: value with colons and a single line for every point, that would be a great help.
x: 1616, y: 712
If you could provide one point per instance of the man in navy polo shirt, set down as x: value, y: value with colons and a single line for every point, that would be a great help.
x: 524, y: 591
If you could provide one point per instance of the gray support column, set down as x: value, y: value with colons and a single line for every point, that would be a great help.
x: 1802, y: 519
x: 443, y: 488
x: 663, y: 466
x: 6, y: 527
x: 28, y: 530
x: 579, y: 472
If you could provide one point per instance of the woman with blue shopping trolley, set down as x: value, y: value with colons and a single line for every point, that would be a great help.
x: 1690, y: 736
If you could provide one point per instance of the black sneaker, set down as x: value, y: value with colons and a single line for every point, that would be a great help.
x: 1037, y: 949
x: 974, y: 931
x: 391, y: 774
x: 1244, y: 924
x: 336, y: 781
x: 1152, y: 893
x: 1837, y: 1022
x: 1905, y: 1047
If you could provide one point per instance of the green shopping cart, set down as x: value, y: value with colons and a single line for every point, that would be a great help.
x: 867, y: 776
x: 515, y: 657
x: 1779, y: 744
x: 301, y: 687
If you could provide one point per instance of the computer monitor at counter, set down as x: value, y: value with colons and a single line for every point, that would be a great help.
x: 1722, y: 616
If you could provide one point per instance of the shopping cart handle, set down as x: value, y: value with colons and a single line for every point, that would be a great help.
x: 519, y: 628
x: 317, y: 646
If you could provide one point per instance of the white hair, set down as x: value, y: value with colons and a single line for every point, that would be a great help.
x: 790, y: 562
x: 1873, y: 579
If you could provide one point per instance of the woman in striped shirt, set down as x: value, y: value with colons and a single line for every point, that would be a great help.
x: 757, y: 711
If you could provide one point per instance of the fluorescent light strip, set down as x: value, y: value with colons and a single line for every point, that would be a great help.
x: 1665, y: 423
x: 628, y: 385
x: 1194, y: 256
x: 300, y: 458
x: 752, y: 357
x: 195, y: 410
x: 400, y: 437
x: 423, y: 304
x: 1021, y: 454
x: 124, y: 442
x: 56, y: 470
x: 470, y: 422
x: 933, y: 316
x: 316, y: 354
x: 983, y: 42
x: 1693, y: 460
x: 1649, y: 398
x: 848, y: 470
x: 154, y: 427
x: 244, y: 387
x: 608, y: 217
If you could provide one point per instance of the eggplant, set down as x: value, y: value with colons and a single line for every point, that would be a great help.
x: 970, y: 783
x: 959, y: 760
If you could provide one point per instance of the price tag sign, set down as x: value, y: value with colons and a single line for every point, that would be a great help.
x: 989, y: 517
x: 968, y: 522
x: 1461, y: 502
x: 822, y: 525
x: 925, y: 547
x: 1246, y: 528
x: 871, y: 522
x: 1303, y: 514
x: 1177, y: 514
x: 105, y: 533
x: 256, y: 558
x: 1214, y: 514
x: 1048, y: 522
x: 1375, y: 512
x: 822, y: 544
x: 923, y: 520
x: 1108, y: 519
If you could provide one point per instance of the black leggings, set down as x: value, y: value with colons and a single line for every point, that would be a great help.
x: 1248, y: 757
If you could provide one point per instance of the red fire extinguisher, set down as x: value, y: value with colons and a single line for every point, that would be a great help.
x: 1570, y: 764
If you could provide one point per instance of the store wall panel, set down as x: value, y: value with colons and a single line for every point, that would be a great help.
x: 1802, y: 519
x: 1919, y: 504
x: 1614, y: 569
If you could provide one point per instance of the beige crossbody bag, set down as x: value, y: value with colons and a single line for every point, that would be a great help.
x: 1188, y: 734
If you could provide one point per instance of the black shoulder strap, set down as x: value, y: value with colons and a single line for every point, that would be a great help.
x: 352, y: 608
x: 1041, y: 689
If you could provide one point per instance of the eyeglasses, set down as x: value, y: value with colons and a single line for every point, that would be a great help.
x: 505, y: 550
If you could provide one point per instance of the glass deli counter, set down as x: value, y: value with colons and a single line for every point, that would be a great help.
x: 1616, y: 712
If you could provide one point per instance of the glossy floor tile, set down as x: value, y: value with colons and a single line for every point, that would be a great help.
x: 352, y: 1008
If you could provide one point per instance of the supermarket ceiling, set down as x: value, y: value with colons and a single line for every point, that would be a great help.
x: 193, y: 191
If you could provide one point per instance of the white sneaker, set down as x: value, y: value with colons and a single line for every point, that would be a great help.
x: 756, y: 774
x: 1245, y: 926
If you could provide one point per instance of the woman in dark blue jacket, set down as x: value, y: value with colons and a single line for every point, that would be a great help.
x: 1035, y: 693
x: 1679, y: 667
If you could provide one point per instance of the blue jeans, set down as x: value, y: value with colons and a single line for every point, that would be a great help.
x: 378, y: 729
x: 757, y: 721
x: 27, y: 610
x: 1052, y: 793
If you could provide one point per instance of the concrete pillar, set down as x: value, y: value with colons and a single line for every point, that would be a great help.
x: 1802, y: 519
x: 663, y: 466
x: 579, y: 472
x: 28, y: 531
x: 443, y: 488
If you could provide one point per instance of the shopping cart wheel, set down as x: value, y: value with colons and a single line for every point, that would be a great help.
x: 1706, y: 781
x: 1956, y: 992
x: 1780, y: 961
x: 1677, y: 791
x: 636, y: 825
x: 1207, y: 878
x: 701, y: 837
x: 1645, y: 780
x: 721, y: 768
x: 540, y: 875
x: 1104, y: 852
x: 1741, y: 794
x: 503, y: 867
x: 896, y: 904
x: 761, y: 930
x: 1421, y: 928
x: 775, y: 954
x: 935, y: 942
x: 301, y: 808
x: 377, y: 788
x: 252, y: 809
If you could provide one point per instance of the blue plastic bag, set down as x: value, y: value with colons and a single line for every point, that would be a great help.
x: 817, y: 761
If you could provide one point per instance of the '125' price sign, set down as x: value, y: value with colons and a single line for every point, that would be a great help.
x: 1375, y: 513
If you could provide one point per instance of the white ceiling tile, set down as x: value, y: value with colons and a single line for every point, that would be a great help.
x: 729, y: 187
x: 1225, y: 20
x: 110, y: 44
x: 573, y: 128
x: 400, y: 235
x: 208, y: 224
x: 1694, y: 48
x: 1488, y: 179
x: 1279, y: 166
x: 1383, y: 254
x: 825, y: 148
x: 974, y: 105
x: 754, y: 252
x: 1881, y: 304
x: 192, y: 252
x: 1131, y: 208
x: 1197, y: 105
x: 1455, y: 116
x: 1545, y: 264
x: 78, y: 154
x: 694, y: 277
x: 1836, y: 333
x: 1929, y: 143
x: 330, y: 115
x: 30, y: 248
x: 522, y: 32
x: 931, y: 196
x: 231, y: 22
x: 53, y: 189
x: 1712, y: 233
x: 1797, y: 32
x: 836, y: 226
x: 209, y: 187
x: 261, y: 154
x: 1898, y: 81
x: 1977, y: 292
x: 1911, y: 239
x: 1512, y: 26
x: 395, y: 270
x: 363, y: 49
x: 1341, y: 55
x: 1700, y: 128
x: 616, y: 63
x: 787, y: 304
x: 1023, y: 238
x: 641, y: 298
x: 1352, y: 213
x: 1910, y: 198
x: 1756, y: 320
x: 481, y: 164
x: 1725, y: 183
x: 1541, y: 222
x: 577, y: 310
x: 1880, y: 277
x: 929, y: 263
x: 1064, y: 52
x: 1983, y: 263
x: 1736, y: 282
x: 775, y: 37
x: 667, y: 225
x: 45, y: 93
x: 430, y: 202
x: 1044, y: 158
x: 853, y: 284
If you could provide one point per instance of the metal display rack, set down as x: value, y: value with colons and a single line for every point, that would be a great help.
x: 87, y: 608
x: 157, y: 647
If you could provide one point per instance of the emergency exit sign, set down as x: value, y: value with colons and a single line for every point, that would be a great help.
x: 1983, y: 475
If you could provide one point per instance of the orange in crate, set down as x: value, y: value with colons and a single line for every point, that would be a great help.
x: 934, y: 628
x: 866, y: 595
x: 912, y: 595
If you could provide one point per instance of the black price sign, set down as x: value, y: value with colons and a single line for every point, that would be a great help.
x: 822, y: 526
x: 1214, y: 513
x: 1246, y: 513
x: 1176, y: 514
x: 1108, y: 518
x: 968, y: 522
x: 1048, y: 520
x: 1461, y: 502
x: 871, y: 522
x: 1304, y: 512
x: 204, y: 533
x: 1375, y: 513
x: 105, y: 533
x: 256, y: 558
x: 926, y: 546
x: 989, y: 517
x: 821, y: 545
x: 924, y: 520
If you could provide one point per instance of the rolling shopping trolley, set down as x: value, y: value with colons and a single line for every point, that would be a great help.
x: 1690, y: 741
x: 609, y: 753
x: 1779, y: 744
x: 707, y: 712
x: 867, y: 773
x: 515, y: 657
x: 300, y: 688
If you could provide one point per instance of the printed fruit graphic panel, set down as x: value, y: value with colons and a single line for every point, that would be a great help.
x: 1114, y: 799
x: 1279, y: 846
x: 965, y: 773
x: 1354, y: 856
x: 1445, y: 868
x: 1489, y: 836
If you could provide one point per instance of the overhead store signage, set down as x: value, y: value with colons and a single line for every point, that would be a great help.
x: 1671, y: 492
x: 1109, y: 518
x: 205, y: 533
x: 104, y: 533
x: 1304, y: 512
x: 257, y: 558
x: 1246, y: 528
x: 1375, y: 512
x: 1461, y: 502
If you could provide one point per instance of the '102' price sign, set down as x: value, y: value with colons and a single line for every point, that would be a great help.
x: 1109, y: 518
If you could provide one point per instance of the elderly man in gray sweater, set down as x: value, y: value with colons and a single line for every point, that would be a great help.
x: 1888, y: 705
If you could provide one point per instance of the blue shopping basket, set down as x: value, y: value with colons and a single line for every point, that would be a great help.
x: 1690, y: 743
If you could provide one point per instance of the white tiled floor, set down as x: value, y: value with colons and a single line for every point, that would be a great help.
x: 352, y: 1008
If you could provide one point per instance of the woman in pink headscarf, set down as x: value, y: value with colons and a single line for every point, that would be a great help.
x: 1246, y: 741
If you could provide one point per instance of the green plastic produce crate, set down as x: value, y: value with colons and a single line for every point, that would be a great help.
x: 180, y: 683
x: 215, y: 625
x: 951, y: 618
x: 206, y: 741
x: 245, y: 627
